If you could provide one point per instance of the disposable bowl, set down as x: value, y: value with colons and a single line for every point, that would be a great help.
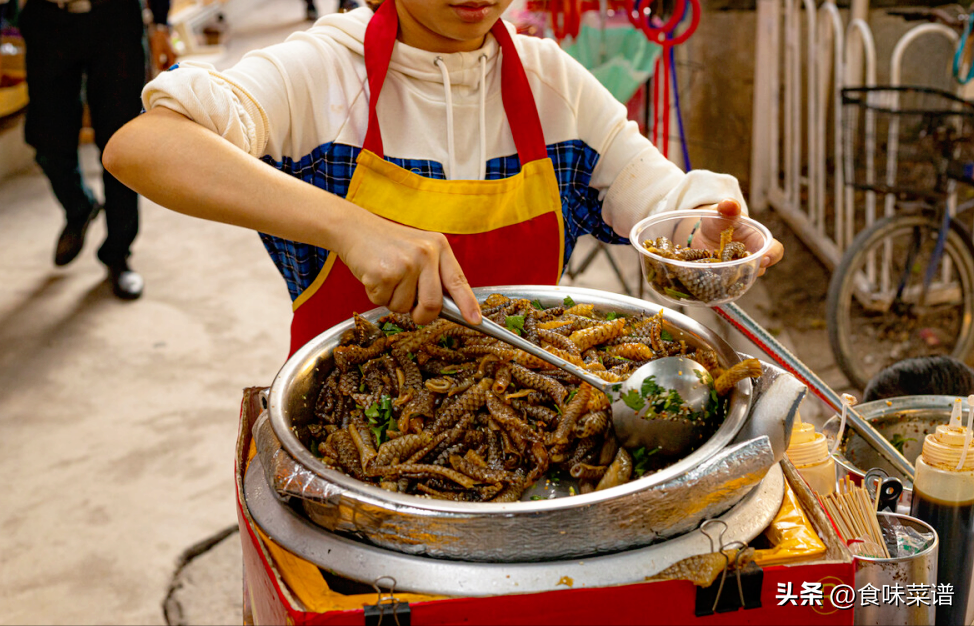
x: 697, y: 283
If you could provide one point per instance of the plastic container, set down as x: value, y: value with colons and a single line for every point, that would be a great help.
x: 943, y: 496
x: 809, y: 453
x: 915, y: 569
x: 697, y: 283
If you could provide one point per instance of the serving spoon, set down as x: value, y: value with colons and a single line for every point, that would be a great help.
x: 672, y: 435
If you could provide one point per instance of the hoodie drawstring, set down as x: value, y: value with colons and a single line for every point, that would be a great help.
x: 438, y: 62
x: 483, y: 117
x: 451, y: 151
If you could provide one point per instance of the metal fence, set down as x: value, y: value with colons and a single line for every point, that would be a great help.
x: 804, y: 56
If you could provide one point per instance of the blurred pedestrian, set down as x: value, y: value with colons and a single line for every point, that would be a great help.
x: 90, y: 51
x: 344, y: 6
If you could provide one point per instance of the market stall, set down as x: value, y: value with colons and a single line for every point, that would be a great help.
x: 726, y: 530
x: 671, y: 547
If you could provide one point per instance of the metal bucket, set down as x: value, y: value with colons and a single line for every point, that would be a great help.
x: 910, y: 417
x: 634, y: 514
x: 898, y: 573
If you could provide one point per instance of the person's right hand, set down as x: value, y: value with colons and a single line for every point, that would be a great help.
x: 406, y: 269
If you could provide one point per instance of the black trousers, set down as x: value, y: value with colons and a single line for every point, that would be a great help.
x: 103, y: 53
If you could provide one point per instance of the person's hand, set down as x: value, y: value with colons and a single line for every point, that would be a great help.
x: 708, y: 236
x: 160, y: 47
x: 405, y: 269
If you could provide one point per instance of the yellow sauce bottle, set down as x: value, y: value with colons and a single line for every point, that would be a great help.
x: 809, y: 452
x: 943, y: 496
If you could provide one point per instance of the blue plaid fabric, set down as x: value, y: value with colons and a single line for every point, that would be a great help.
x: 331, y: 165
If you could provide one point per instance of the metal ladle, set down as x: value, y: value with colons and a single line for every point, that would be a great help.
x: 672, y: 435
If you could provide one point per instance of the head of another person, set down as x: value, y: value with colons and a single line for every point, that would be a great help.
x: 446, y: 25
x: 921, y: 376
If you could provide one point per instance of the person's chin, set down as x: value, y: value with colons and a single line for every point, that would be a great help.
x: 462, y: 31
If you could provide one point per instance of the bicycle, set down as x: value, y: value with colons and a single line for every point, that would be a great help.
x: 905, y: 286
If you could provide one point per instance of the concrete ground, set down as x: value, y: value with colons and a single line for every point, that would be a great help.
x: 118, y: 419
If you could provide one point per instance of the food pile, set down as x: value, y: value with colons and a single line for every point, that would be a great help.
x: 707, y: 285
x: 446, y: 412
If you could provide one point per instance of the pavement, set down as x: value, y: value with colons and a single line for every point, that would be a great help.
x: 118, y: 419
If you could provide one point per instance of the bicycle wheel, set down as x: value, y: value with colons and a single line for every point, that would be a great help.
x: 878, y: 310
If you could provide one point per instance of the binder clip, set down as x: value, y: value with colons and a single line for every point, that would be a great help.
x: 388, y: 609
x: 749, y: 578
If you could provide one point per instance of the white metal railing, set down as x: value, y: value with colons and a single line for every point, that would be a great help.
x: 792, y: 175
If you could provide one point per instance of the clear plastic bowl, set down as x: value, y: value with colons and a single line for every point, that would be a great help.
x: 697, y: 283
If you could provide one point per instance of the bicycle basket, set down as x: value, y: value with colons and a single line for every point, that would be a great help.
x: 902, y: 140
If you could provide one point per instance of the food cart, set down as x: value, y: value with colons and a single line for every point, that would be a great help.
x: 668, y: 548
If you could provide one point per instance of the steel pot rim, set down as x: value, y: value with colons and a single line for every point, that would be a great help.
x: 305, y: 360
x: 878, y: 409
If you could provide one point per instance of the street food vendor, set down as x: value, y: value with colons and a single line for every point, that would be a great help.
x: 443, y: 151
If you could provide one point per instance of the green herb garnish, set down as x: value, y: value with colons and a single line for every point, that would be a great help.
x: 568, y: 302
x: 665, y: 335
x: 381, y: 419
x: 515, y: 324
x: 633, y: 400
x: 899, y: 441
x: 673, y: 293
x: 554, y: 476
x: 650, y: 388
x: 704, y: 377
x: 611, y: 316
x: 537, y: 304
x: 391, y: 329
x: 537, y: 498
x: 640, y: 460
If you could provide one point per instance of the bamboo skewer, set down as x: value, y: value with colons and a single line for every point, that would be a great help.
x: 877, y: 531
x: 854, y: 514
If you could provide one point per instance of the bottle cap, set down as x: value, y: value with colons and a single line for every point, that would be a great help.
x: 807, y: 447
x: 944, y: 448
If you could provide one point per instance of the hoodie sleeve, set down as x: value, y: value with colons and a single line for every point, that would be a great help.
x: 266, y: 103
x: 214, y: 101
x: 632, y: 178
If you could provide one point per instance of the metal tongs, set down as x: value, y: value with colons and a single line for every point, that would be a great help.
x: 753, y: 331
x: 674, y: 436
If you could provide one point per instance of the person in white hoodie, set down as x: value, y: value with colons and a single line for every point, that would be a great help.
x: 442, y: 151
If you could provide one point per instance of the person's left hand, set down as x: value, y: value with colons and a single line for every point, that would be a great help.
x: 160, y: 48
x: 708, y: 236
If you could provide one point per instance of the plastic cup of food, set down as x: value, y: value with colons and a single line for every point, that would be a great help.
x: 706, y: 282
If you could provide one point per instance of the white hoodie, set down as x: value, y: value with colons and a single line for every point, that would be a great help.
x: 302, y: 106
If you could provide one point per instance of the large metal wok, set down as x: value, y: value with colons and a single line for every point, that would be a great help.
x: 672, y: 501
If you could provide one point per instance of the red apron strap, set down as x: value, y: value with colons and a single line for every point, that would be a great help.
x: 522, y: 111
x: 519, y: 104
x: 380, y: 38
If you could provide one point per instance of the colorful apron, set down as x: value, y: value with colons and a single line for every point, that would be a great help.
x: 502, y: 232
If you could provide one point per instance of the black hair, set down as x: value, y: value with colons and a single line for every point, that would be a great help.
x: 921, y: 376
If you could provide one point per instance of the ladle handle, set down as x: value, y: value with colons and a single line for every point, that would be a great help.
x: 452, y: 312
x: 764, y: 340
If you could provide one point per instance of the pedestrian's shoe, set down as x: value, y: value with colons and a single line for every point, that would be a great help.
x: 126, y: 284
x: 72, y: 239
